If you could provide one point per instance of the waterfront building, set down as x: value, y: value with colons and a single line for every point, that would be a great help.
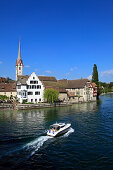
x: 8, y: 89
x: 30, y: 89
x: 80, y: 90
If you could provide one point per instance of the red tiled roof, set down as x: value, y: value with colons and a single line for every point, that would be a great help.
x: 8, y: 87
x: 2, y: 80
x: 93, y: 85
x: 73, y: 84
x: 46, y: 78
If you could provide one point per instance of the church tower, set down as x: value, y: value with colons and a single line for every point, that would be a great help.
x: 19, y: 64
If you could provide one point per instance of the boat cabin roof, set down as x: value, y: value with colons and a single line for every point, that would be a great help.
x: 56, y: 125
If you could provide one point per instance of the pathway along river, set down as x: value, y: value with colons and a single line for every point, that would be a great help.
x: 87, y: 145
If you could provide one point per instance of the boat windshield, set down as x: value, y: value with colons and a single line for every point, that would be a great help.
x: 55, y: 127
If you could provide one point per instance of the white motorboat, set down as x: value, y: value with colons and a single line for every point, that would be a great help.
x: 58, y: 129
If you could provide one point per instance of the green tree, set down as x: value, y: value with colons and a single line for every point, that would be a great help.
x: 95, y: 78
x: 95, y: 75
x: 51, y: 95
x: 3, y: 97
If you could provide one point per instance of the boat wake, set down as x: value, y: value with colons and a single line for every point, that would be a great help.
x: 29, y: 149
x: 35, y: 145
x: 71, y: 130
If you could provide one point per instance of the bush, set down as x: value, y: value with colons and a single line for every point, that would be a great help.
x: 24, y: 102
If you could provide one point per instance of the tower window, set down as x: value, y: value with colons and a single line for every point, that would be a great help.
x: 19, y: 68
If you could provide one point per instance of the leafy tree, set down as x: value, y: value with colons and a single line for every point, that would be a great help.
x: 51, y: 95
x: 95, y: 78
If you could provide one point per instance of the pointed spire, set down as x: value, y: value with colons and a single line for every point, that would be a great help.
x: 19, y: 52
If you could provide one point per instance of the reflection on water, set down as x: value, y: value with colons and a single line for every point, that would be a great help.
x: 88, y: 144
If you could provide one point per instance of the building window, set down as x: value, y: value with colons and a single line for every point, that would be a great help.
x: 31, y: 100
x: 19, y: 68
x: 35, y: 100
x: 35, y: 82
x: 39, y: 87
x: 33, y: 87
x: 19, y: 87
x: 39, y: 100
x: 30, y: 93
x: 37, y: 93
x: 31, y: 82
x: 33, y: 77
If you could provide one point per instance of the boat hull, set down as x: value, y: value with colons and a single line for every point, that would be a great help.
x: 60, y: 132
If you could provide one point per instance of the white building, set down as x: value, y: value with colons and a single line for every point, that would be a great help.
x: 30, y: 89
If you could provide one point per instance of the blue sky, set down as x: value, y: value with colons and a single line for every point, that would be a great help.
x: 62, y: 38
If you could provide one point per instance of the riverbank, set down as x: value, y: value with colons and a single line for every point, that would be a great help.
x: 106, y: 93
x: 31, y: 106
x: 18, y: 106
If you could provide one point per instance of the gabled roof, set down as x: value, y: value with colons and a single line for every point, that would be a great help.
x: 8, y: 87
x: 93, y: 85
x: 79, y: 83
x: 23, y: 79
x: 3, y: 80
x: 46, y: 78
x: 55, y: 85
x: 74, y: 84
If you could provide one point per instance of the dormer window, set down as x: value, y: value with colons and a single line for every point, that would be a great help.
x: 33, y: 77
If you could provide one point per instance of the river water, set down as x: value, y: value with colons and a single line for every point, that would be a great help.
x: 87, y: 145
